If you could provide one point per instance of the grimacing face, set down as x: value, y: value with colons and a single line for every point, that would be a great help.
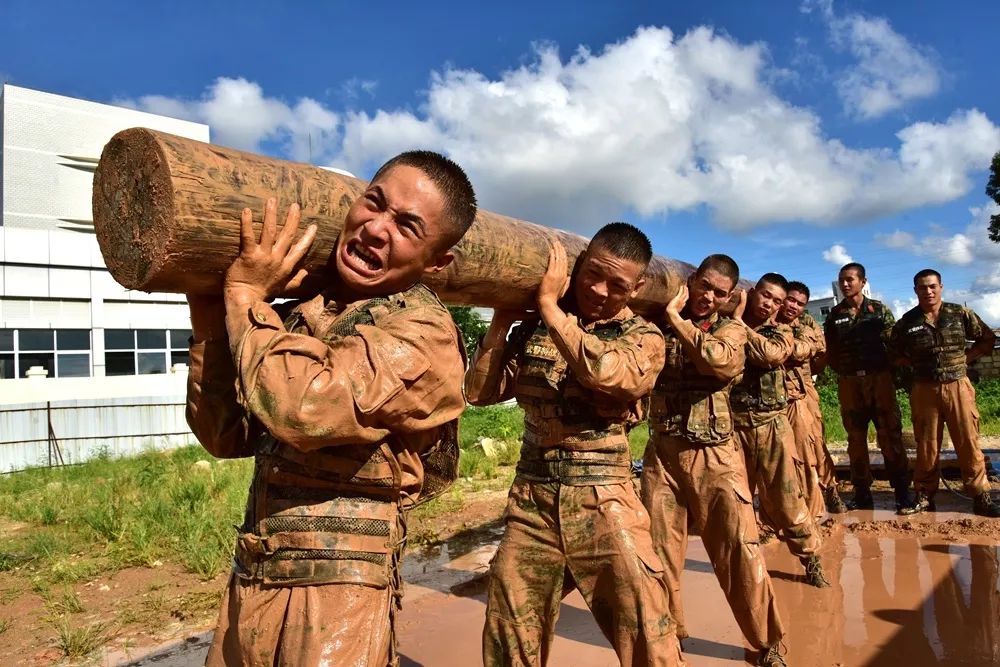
x: 707, y: 292
x: 795, y: 302
x: 928, y: 291
x: 393, y: 234
x: 764, y: 300
x: 604, y: 283
x: 850, y: 282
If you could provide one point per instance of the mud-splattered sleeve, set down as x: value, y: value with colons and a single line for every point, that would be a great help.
x: 625, y: 368
x: 401, y: 374
x: 771, y: 348
x: 214, y: 412
x: 491, y: 375
x: 720, y: 354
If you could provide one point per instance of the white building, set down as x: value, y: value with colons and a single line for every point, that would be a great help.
x: 820, y: 308
x: 59, y: 307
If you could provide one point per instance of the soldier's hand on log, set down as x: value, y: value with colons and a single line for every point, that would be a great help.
x: 676, y: 304
x: 741, y: 303
x: 270, y: 266
x: 555, y: 282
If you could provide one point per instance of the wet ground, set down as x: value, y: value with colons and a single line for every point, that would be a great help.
x: 900, y: 595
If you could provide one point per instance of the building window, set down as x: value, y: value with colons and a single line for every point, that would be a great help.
x: 144, y: 351
x: 63, y: 352
x: 825, y: 310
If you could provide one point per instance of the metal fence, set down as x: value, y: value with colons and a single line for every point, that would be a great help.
x: 68, y: 432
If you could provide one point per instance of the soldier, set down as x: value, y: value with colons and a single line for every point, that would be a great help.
x: 339, y: 399
x: 856, y: 331
x: 693, y: 472
x: 817, y: 476
x: 579, y: 375
x: 759, y: 406
x: 931, y: 339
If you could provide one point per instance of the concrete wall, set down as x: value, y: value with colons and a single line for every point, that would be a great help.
x: 52, y: 275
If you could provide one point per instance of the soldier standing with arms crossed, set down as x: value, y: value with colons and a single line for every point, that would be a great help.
x: 931, y: 339
x: 856, y: 332
x: 693, y: 472
x: 818, y: 480
x: 762, y: 429
x: 338, y: 399
x: 579, y: 374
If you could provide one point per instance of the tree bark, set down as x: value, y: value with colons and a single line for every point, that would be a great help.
x: 167, y: 210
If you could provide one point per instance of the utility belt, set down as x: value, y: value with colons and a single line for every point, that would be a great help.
x: 590, y: 436
x: 575, y: 468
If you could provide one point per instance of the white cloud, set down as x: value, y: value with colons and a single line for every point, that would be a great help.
x: 889, y: 70
x: 837, y: 254
x: 241, y: 116
x: 900, y: 306
x: 960, y: 249
x: 653, y: 123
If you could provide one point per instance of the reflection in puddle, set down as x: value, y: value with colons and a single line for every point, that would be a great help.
x: 899, y: 601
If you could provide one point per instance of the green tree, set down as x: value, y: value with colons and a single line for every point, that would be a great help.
x: 470, y: 324
x: 993, y: 192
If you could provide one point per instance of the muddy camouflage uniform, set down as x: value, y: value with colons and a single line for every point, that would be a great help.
x: 855, y: 342
x: 694, y: 476
x: 759, y: 404
x: 814, y: 466
x: 573, y: 515
x: 342, y: 407
x: 942, y: 393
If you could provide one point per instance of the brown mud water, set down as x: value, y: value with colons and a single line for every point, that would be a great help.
x: 915, y: 596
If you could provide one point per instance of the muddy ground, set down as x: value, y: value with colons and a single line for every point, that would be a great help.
x: 911, y: 591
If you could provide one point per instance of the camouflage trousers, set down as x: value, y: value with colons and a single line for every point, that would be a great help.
x: 771, y: 471
x: 933, y: 405
x: 334, y: 624
x: 825, y: 469
x: 872, y: 398
x: 692, y: 486
x: 807, y: 472
x: 594, y: 537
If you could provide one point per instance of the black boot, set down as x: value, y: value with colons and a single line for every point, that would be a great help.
x: 834, y: 504
x: 983, y: 505
x: 902, y: 493
x: 923, y: 503
x: 771, y: 657
x: 863, y: 499
x: 814, y: 572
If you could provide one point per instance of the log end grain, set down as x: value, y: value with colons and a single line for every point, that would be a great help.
x: 133, y: 202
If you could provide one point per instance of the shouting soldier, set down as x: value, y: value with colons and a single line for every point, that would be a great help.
x: 338, y: 398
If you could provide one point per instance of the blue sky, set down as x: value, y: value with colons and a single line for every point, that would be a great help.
x: 791, y: 135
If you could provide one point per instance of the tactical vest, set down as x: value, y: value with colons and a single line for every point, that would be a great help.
x: 332, y: 515
x: 558, y: 409
x: 686, y: 403
x: 760, y: 390
x: 857, y: 344
x: 936, y: 352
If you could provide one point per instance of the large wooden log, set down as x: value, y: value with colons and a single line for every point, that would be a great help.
x: 166, y: 212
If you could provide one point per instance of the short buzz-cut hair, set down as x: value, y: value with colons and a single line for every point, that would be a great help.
x: 853, y: 266
x: 451, y: 181
x: 797, y: 286
x: 775, y: 279
x: 724, y: 264
x: 624, y: 241
x: 926, y: 273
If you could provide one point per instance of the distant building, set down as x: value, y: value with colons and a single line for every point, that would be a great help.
x: 60, y: 309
